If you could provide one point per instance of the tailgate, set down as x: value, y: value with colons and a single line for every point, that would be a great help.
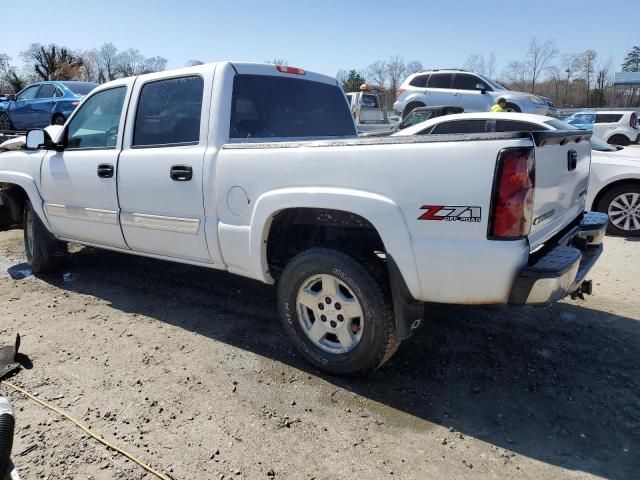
x: 563, y: 162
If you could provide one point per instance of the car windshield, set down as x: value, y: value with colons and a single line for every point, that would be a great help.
x: 494, y: 85
x: 560, y: 125
x: 602, y: 146
x: 581, y: 118
x: 80, y: 88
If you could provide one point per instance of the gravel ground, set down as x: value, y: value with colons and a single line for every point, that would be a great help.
x: 189, y: 370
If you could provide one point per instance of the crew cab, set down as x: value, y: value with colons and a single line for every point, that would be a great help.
x: 256, y: 169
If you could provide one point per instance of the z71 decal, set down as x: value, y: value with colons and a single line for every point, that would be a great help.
x: 451, y: 213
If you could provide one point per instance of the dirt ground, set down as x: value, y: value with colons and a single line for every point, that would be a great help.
x: 189, y: 370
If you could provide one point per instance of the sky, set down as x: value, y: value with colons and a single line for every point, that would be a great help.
x: 323, y: 36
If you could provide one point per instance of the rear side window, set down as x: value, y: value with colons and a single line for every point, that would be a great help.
x: 608, y: 117
x: 47, y: 91
x: 462, y: 126
x: 440, y: 80
x: 265, y: 106
x: 420, y: 81
x: 169, y: 112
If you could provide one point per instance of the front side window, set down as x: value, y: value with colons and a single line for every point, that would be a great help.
x: 462, y: 126
x: 269, y: 106
x: 97, y: 122
x: 169, y: 112
x: 465, y: 81
x: 440, y: 80
x: 29, y: 93
x: 47, y: 91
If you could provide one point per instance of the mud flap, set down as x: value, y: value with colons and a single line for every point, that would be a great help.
x: 408, y: 313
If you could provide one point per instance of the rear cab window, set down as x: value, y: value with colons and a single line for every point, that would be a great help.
x: 369, y: 101
x: 268, y: 107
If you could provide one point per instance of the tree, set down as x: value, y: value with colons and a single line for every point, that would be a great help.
x: 516, y: 74
x: 107, y: 59
x: 131, y: 62
x: 277, y: 61
x: 570, y: 63
x: 538, y: 58
x: 586, y: 63
x: 377, y: 72
x: 193, y: 63
x: 632, y: 60
x: 490, y: 66
x: 474, y: 63
x: 353, y: 81
x: 602, y: 80
x: 413, y: 67
x: 52, y: 62
x: 396, y: 71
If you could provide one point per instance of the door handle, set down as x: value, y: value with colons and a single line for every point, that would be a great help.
x: 181, y: 173
x: 105, y: 170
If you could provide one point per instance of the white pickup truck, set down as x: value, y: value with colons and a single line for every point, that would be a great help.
x: 256, y: 169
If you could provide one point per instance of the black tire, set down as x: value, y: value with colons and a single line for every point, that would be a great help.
x: 44, y: 253
x: 621, y: 140
x: 512, y: 107
x: 605, y: 202
x: 378, y: 341
x: 58, y: 119
x: 5, y: 121
x: 411, y: 107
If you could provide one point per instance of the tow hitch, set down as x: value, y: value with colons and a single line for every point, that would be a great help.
x: 585, y: 288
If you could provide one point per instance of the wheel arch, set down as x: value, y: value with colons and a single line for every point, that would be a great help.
x: 24, y: 187
x: 616, y: 182
x: 382, y: 213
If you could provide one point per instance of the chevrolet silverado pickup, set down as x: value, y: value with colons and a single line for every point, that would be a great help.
x: 257, y: 170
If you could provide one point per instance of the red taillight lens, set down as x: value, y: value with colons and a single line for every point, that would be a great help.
x: 633, y: 120
x: 292, y: 70
x: 400, y: 92
x: 512, y: 204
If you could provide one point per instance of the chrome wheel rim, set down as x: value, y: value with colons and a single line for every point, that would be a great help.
x: 29, y: 235
x: 330, y: 314
x: 624, y: 212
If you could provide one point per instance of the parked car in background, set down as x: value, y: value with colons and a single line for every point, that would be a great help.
x: 367, y: 107
x: 471, y: 91
x: 42, y: 104
x: 418, y: 115
x: 614, y: 127
x: 614, y: 181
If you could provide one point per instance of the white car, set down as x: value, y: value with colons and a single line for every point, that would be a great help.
x: 614, y: 182
x: 614, y: 127
x: 256, y: 169
x: 471, y: 91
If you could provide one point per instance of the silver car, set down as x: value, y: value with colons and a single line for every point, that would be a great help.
x: 471, y: 91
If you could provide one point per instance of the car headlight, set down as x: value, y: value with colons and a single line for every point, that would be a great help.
x: 537, y: 100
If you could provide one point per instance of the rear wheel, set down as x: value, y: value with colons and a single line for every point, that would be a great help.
x: 337, y: 311
x: 410, y: 108
x: 58, y: 119
x: 5, y: 122
x: 44, y: 253
x: 621, y: 140
x: 622, y: 205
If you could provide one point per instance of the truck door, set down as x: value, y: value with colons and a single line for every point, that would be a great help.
x: 79, y: 182
x: 42, y: 106
x: 160, y: 176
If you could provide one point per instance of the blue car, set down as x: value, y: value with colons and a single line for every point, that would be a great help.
x: 42, y: 104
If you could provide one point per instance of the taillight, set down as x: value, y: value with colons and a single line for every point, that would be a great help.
x: 400, y: 92
x: 633, y: 120
x: 513, y: 194
x: 292, y: 70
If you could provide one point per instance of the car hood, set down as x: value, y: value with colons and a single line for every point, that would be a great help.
x: 631, y: 154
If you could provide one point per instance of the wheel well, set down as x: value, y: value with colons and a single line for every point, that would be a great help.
x: 13, y: 199
x: 410, y: 106
x: 620, y: 136
x: 513, y: 107
x: 603, y: 192
x: 297, y: 229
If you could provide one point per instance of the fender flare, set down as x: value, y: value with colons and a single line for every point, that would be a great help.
x: 620, y: 178
x: 29, y: 186
x: 387, y: 219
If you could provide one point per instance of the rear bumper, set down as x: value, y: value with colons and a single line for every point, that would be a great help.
x: 562, y: 269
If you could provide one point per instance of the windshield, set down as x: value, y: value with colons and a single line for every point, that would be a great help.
x: 80, y: 88
x: 601, y: 145
x: 494, y: 85
x: 581, y: 118
x: 560, y: 125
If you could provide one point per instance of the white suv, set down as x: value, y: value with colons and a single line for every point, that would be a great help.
x: 614, y: 127
x: 470, y: 91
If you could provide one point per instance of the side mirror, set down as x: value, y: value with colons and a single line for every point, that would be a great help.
x: 35, y: 139
x: 481, y: 87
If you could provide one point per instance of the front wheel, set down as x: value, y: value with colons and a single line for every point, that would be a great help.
x: 622, y: 205
x: 44, y: 253
x: 512, y: 107
x: 5, y: 121
x: 337, y: 311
